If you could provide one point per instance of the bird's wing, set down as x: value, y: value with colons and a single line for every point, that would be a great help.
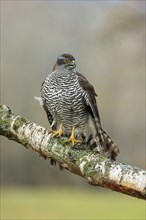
x: 90, y: 97
x: 90, y: 101
x: 49, y: 115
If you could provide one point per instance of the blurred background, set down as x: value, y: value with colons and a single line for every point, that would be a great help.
x: 107, y: 39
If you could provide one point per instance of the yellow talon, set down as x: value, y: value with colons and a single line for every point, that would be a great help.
x: 72, y: 137
x: 59, y: 132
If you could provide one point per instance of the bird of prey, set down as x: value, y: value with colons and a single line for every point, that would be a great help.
x: 70, y: 104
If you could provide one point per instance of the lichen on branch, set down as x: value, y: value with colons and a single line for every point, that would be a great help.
x: 78, y: 159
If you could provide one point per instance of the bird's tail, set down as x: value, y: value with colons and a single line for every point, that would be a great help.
x: 107, y: 145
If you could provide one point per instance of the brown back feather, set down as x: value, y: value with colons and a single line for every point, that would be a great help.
x: 91, y: 96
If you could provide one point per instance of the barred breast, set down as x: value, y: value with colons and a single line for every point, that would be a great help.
x: 64, y: 100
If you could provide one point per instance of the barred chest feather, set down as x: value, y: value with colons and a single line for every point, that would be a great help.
x: 64, y: 99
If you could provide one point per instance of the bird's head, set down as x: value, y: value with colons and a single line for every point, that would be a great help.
x: 66, y: 61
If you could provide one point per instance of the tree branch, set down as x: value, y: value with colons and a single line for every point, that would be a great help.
x: 78, y: 159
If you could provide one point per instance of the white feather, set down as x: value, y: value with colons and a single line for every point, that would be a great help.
x: 39, y: 99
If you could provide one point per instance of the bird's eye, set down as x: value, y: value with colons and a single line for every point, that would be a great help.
x: 66, y: 60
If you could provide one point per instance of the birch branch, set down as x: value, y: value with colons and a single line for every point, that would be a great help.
x: 78, y: 159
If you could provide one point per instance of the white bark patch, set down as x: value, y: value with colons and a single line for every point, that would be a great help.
x: 90, y: 157
x: 136, y: 180
x: 115, y: 173
x: 6, y: 110
x: 101, y: 166
x: 33, y: 133
x: 45, y: 141
x: 20, y: 130
x: 81, y: 166
x: 12, y: 123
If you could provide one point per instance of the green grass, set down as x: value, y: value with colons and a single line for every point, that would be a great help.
x: 68, y: 203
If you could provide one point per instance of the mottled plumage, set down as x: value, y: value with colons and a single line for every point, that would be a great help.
x: 70, y: 100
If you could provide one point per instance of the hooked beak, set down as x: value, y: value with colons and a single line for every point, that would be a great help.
x: 72, y: 63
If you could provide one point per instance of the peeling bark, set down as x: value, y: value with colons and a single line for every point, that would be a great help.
x: 78, y: 159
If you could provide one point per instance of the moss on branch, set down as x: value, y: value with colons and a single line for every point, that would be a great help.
x: 78, y: 159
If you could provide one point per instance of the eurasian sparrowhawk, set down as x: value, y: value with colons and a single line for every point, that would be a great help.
x: 70, y: 103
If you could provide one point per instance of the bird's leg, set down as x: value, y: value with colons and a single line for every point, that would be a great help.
x: 72, y: 137
x: 58, y: 132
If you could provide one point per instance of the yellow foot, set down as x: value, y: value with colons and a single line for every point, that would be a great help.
x: 72, y: 137
x: 59, y: 132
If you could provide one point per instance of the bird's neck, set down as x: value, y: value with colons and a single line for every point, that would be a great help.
x: 64, y: 72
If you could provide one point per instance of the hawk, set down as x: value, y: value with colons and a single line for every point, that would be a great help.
x: 70, y: 104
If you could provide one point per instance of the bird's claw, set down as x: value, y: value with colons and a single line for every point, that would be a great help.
x: 58, y: 132
x: 72, y: 138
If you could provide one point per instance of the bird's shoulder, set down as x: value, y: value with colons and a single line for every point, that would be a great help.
x: 90, y: 96
x: 47, y: 79
x: 85, y: 84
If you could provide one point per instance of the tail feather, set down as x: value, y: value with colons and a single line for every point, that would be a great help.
x: 108, y: 146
